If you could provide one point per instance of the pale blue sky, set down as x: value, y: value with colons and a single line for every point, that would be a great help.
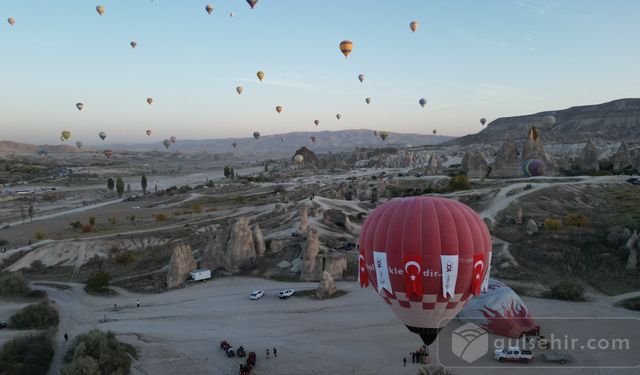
x: 469, y: 59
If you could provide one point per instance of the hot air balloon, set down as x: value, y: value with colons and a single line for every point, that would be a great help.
x: 172, y: 139
x: 483, y: 121
x: 100, y: 9
x: 256, y: 135
x: 231, y: 14
x: 368, y: 100
x: 260, y: 75
x: 442, y: 248
x: 313, y: 138
x: 278, y: 109
x: 338, y: 116
x: 299, y: 159
x: 102, y: 135
x: 548, y: 121
x: 11, y: 21
x: 79, y: 106
x: 149, y: 100
x: 65, y: 135
x: 148, y: 131
x: 383, y: 135
x: 107, y: 153
x: 234, y: 145
x: 239, y: 89
x: 166, y: 143
x: 414, y: 26
x: 79, y: 144
x: 435, y: 131
x: 375, y: 133
x: 252, y: 3
x: 209, y: 8
x: 533, y: 167
x: 317, y: 122
x: 346, y: 46
x: 422, y: 102
x: 361, y: 77
x: 133, y: 44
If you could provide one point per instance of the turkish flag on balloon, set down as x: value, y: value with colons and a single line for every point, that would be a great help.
x: 478, y: 273
x: 362, y: 267
x: 413, y: 276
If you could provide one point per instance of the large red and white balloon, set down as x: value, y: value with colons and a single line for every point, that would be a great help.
x: 426, y: 256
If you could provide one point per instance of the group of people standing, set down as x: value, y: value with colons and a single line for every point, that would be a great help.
x: 419, y: 356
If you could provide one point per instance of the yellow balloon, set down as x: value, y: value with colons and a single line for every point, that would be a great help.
x: 100, y: 9
x: 260, y: 75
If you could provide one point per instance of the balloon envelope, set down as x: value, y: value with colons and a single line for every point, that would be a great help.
x: 483, y: 121
x: 79, y: 144
x: 11, y: 21
x: 338, y: 116
x: 209, y: 8
x: 279, y: 109
x: 346, y: 46
x: 425, y: 256
x: 66, y: 134
x: 435, y: 131
x: 102, y: 135
x: 422, y: 102
x: 148, y: 131
x: 256, y: 135
x: 239, y: 89
x: 317, y: 122
x: 414, y: 26
x: 79, y: 106
x: 252, y: 3
x: 260, y: 75
x: 108, y: 153
x: 361, y: 77
x: 100, y: 9
x: 299, y: 159
x: 234, y: 145
x: 149, y: 100
x: 548, y: 121
x: 368, y: 100
x: 133, y: 44
x: 172, y: 139
x: 383, y: 135
x: 533, y: 167
x: 166, y: 143
x: 313, y: 138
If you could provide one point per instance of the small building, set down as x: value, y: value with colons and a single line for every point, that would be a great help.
x: 201, y: 274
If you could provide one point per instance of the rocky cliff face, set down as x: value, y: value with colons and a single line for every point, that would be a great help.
x: 310, y: 251
x: 623, y: 158
x: 181, y: 265
x: 310, y: 158
x: 607, y: 122
x: 474, y: 164
x: 258, y: 239
x: 589, y: 158
x: 231, y: 248
x: 507, y: 162
x: 327, y: 286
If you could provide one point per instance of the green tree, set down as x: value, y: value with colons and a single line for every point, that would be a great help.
x: 120, y: 187
x: 143, y: 183
x: 128, y: 188
x: 110, y: 184
x: 82, y: 366
x: 227, y: 171
x: 99, y: 282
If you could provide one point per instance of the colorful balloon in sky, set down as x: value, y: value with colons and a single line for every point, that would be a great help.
x: 209, y: 8
x: 79, y: 144
x: 313, y: 138
x: 279, y: 109
x: 383, y: 135
x: 79, y: 106
x: 166, y: 143
x: 239, y: 89
x: 443, y: 249
x: 148, y: 131
x: 65, y: 134
x: 368, y: 100
x: 338, y: 116
x: 133, y: 44
x: 100, y: 9
x: 317, y: 122
x: 11, y: 21
x: 149, y: 100
x: 172, y: 139
x: 346, y: 46
x: 414, y: 26
x: 252, y: 3
x: 361, y: 77
x: 533, y: 167
x: 435, y: 131
x: 234, y: 145
x: 256, y: 135
x: 422, y: 102
x: 260, y: 75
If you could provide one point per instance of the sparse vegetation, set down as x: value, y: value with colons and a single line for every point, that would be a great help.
x: 113, y: 220
x: 161, y: 218
x: 126, y: 257
x: 40, y: 315
x: 119, y: 187
x: 459, y: 182
x: 14, y: 284
x: 27, y: 355
x: 39, y: 235
x: 567, y: 290
x: 92, y: 220
x: 197, y: 208
x: 87, y: 228
x: 552, y: 224
x: 98, y: 283
x: 434, y: 370
x: 100, y: 353
x: 576, y: 220
x: 110, y: 184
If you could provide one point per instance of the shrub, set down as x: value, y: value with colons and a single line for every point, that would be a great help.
x: 3, y: 242
x: 126, y: 257
x: 92, y: 220
x: 239, y: 199
x: 576, y: 220
x: 98, y: 348
x: 552, y: 224
x: 37, y: 316
x: 113, y: 220
x: 87, y: 228
x: 160, y: 218
x: 460, y: 182
x: 98, y: 282
x: 14, y: 284
x: 211, y: 209
x: 434, y: 370
x: 26, y: 355
x: 567, y: 290
x: 39, y: 236
x: 132, y: 218
x: 197, y: 208
x: 76, y: 225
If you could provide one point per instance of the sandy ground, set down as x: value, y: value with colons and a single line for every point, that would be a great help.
x: 179, y: 331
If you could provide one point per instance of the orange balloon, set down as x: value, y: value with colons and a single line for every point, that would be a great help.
x: 346, y: 46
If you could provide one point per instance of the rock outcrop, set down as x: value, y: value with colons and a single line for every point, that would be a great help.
x: 474, y: 164
x: 519, y: 216
x: 507, y: 162
x: 304, y: 218
x: 532, y: 227
x: 589, y: 158
x: 433, y: 166
x: 310, y: 251
x: 258, y: 239
x: 622, y: 159
x: 181, y: 265
x: 327, y: 286
x: 231, y: 248
x: 310, y: 158
x: 333, y: 217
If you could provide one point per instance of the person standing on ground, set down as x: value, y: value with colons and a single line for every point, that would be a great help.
x: 138, y: 302
x: 404, y: 361
x: 275, y: 353
x: 267, y: 353
x: 66, y: 337
x: 413, y: 357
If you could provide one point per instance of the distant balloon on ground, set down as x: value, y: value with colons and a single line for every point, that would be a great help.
x: 548, y: 121
x: 299, y: 159
x: 533, y: 167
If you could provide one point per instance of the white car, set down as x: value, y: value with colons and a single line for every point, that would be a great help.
x: 256, y: 294
x: 286, y: 293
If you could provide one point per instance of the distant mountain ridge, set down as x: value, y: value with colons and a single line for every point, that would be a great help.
x: 614, y: 121
x: 25, y: 148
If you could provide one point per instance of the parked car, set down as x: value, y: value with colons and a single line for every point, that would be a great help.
x: 557, y: 357
x: 286, y: 293
x: 256, y: 294
x: 3, y: 324
x: 634, y: 180
x: 514, y: 354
